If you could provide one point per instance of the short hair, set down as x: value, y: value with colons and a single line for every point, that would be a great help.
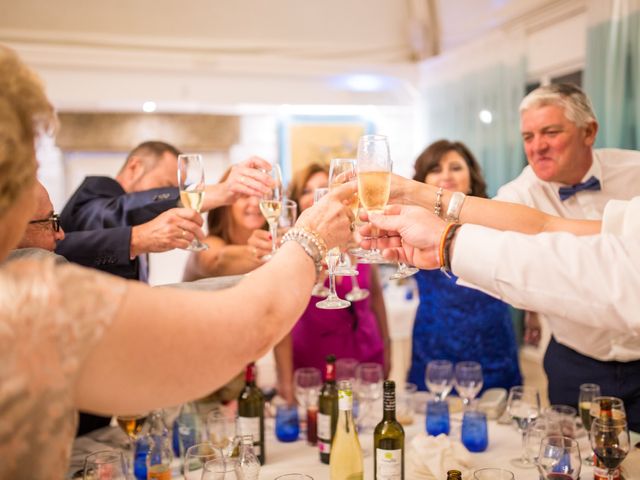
x: 577, y: 106
x: 151, y: 152
x: 25, y: 114
x: 430, y: 158
x: 300, y: 179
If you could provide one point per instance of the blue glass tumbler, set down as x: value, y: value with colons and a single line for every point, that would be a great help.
x: 287, y: 425
x: 474, y: 431
x: 437, y: 417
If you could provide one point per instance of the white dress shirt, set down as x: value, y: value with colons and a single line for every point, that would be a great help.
x: 589, y: 286
x: 619, y: 174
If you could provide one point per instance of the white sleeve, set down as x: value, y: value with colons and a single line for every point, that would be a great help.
x: 622, y: 218
x: 583, y: 279
x: 510, y: 192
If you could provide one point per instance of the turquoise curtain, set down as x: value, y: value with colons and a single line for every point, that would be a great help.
x: 612, y: 80
x: 453, y: 112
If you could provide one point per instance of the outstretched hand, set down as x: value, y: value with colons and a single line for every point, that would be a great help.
x: 247, y: 179
x: 406, y: 234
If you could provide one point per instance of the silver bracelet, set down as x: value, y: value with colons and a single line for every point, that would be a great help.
x: 455, y: 206
x: 311, y: 243
x: 437, y: 208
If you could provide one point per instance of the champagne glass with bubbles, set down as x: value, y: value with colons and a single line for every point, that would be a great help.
x: 192, y: 188
x: 374, y: 181
x: 342, y: 170
x: 271, y: 206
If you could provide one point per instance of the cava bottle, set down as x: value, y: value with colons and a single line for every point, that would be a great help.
x: 346, y: 455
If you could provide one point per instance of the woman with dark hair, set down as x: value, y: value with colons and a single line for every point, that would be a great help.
x: 453, y: 322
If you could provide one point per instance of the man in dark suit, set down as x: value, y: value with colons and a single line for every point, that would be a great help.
x: 111, y: 224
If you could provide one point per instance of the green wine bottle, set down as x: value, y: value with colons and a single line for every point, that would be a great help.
x: 327, y: 409
x: 251, y: 412
x: 388, y: 440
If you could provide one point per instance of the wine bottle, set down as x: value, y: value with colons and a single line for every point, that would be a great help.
x: 454, y: 475
x: 160, y: 455
x: 251, y: 412
x: 388, y: 440
x: 327, y: 410
x: 600, y: 470
x: 346, y: 456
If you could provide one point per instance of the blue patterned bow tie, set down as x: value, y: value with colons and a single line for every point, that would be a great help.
x: 591, y: 184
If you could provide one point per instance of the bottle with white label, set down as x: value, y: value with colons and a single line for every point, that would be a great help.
x: 346, y: 454
x: 251, y: 412
x: 388, y: 440
x: 327, y: 410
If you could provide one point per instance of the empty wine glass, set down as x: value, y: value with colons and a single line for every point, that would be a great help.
x: 192, y: 188
x: 559, y: 458
x: 221, y: 431
x: 493, y: 474
x: 369, y: 378
x: 610, y: 442
x: 271, y: 205
x: 374, y: 181
x: 588, y: 393
x: 307, y: 383
x: 195, y: 458
x: 537, y: 430
x: 105, y: 465
x: 332, y: 302
x: 523, y: 405
x: 468, y: 380
x: 403, y: 271
x: 346, y: 369
x: 439, y: 378
x: 565, y: 416
x: 219, y: 468
x: 356, y: 293
x: 294, y: 476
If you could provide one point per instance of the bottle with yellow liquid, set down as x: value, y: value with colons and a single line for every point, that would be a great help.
x: 346, y: 455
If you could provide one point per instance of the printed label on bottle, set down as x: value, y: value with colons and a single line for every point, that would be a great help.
x: 250, y: 426
x: 388, y: 464
x: 324, y: 426
x: 345, y: 400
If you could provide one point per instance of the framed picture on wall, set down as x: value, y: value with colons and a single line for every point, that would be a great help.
x: 318, y: 139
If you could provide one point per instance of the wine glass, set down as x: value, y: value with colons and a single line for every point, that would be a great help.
x: 559, y: 458
x: 588, y: 392
x: 271, y: 205
x: 468, y: 380
x: 288, y: 214
x: 493, y: 474
x: 307, y: 383
x: 332, y: 302
x: 196, y: 457
x: 374, y: 181
x: 610, y: 442
x: 221, y: 431
x: 356, y: 293
x: 192, y: 188
x: 369, y: 378
x: 537, y: 430
x: 523, y: 405
x: 614, y: 404
x: 131, y: 426
x: 342, y: 170
x: 105, y: 465
x: 219, y: 469
x: 439, y: 378
x: 403, y: 271
x: 346, y: 369
x: 565, y: 416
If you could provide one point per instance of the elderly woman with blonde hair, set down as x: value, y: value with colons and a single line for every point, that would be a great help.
x: 74, y: 338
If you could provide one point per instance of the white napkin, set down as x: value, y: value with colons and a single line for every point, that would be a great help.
x: 429, y: 458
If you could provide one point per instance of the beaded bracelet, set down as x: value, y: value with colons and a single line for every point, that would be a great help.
x: 437, y: 208
x: 311, y: 243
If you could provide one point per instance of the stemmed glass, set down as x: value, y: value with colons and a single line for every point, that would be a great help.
x: 288, y: 215
x: 403, y: 271
x: 523, y: 405
x: 307, y: 383
x: 221, y: 431
x: 369, y: 378
x: 610, y: 442
x: 559, y: 458
x: 374, y: 181
x: 196, y: 457
x: 537, y: 430
x: 342, y: 170
x: 439, y: 378
x: 332, y: 302
x: 356, y: 294
x: 468, y: 380
x: 346, y: 369
x: 615, y: 404
x: 271, y: 205
x: 588, y: 393
x: 192, y: 187
x: 105, y: 465
x: 131, y: 426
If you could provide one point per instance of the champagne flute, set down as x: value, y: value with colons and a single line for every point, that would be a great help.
x: 342, y: 170
x: 559, y: 458
x: 610, y: 442
x: 332, y: 302
x: 523, y: 405
x: 468, y: 381
x: 191, y: 186
x: 288, y: 214
x: 439, y: 378
x: 105, y: 465
x: 588, y: 393
x: 374, y: 181
x: 271, y: 205
x: 356, y: 294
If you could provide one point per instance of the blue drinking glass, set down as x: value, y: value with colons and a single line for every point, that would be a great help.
x: 474, y: 431
x: 437, y: 417
x: 287, y: 425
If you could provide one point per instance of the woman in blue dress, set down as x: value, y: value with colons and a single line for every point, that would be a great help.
x: 453, y: 322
